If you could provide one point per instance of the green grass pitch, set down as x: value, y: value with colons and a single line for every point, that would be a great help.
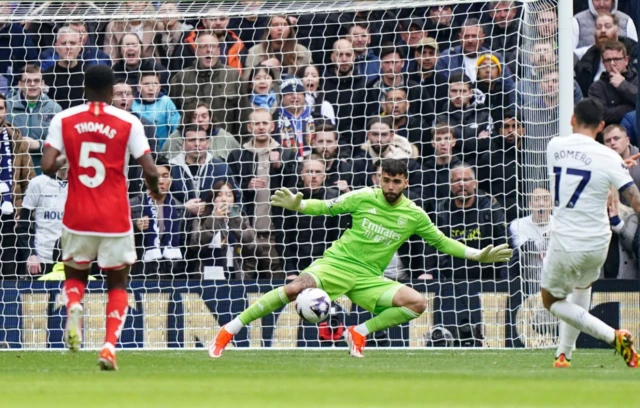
x: 389, y: 379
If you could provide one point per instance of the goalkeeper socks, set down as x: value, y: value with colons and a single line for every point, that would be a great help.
x: 73, y: 291
x: 267, y: 304
x: 569, y: 334
x: 580, y: 319
x: 117, y: 307
x: 392, y: 316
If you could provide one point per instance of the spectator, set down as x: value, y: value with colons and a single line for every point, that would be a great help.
x: 31, y: 111
x: 65, y: 78
x: 615, y: 137
x: 439, y: 23
x: 16, y: 171
x: 169, y: 39
x: 158, y: 230
x: 90, y: 54
x: 16, y: 48
x: 433, y: 86
x: 157, y: 109
x: 529, y: 236
x: 222, y: 231
x: 130, y: 63
x: 40, y: 223
x: 397, y: 107
x: 232, y: 49
x: 383, y: 143
x: 208, y: 80
x: 143, y: 29
x: 314, y: 94
x: 503, y: 32
x: 307, y: 237
x: 590, y: 66
x: 123, y: 99
x: 279, y: 49
x: 501, y: 170
x: 437, y: 166
x: 546, y: 24
x: 408, y: 261
x: 621, y: 262
x: 468, y: 116
x: 367, y: 62
x: 262, y: 166
x: 195, y: 171
x: 295, y: 127
x: 412, y: 32
x: 617, y: 88
x: 259, y: 94
x: 464, y: 58
x: 338, y: 172
x: 250, y: 27
x: 584, y: 24
x: 491, y: 84
x: 346, y: 91
x: 473, y: 219
x: 392, y: 76
x: 630, y: 125
x: 221, y: 142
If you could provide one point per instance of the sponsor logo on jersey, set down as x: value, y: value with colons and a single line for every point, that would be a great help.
x: 372, y: 211
x: 402, y: 222
x: 53, y: 215
x: 378, y: 233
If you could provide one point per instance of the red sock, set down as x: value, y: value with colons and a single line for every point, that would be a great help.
x: 73, y: 291
x: 116, y: 314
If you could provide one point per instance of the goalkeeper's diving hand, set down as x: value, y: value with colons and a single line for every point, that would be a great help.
x: 491, y: 254
x: 286, y: 199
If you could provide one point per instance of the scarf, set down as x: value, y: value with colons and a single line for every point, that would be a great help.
x: 293, y: 131
x: 6, y: 167
x: 264, y: 101
x: 158, y: 246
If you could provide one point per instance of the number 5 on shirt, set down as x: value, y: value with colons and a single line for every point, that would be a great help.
x: 86, y: 161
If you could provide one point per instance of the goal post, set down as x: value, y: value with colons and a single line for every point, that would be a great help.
x: 225, y: 264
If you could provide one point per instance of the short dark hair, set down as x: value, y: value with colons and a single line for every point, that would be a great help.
x: 394, y: 167
x: 149, y: 73
x: 31, y: 69
x: 120, y: 81
x: 192, y: 128
x: 589, y: 113
x: 507, y: 114
x: 399, y: 88
x: 384, y: 51
x: 162, y: 161
x: 615, y: 45
x: 459, y: 77
x: 385, y: 120
x: 358, y: 23
x: 99, y: 78
x: 326, y: 128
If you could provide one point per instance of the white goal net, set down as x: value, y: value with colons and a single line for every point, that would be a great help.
x: 240, y: 98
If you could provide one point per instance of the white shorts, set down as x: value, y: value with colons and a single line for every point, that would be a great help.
x: 78, y: 251
x: 564, y: 271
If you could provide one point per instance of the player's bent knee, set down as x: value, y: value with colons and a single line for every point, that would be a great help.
x: 548, y: 299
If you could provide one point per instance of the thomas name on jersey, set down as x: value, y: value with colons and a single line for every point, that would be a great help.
x: 379, y: 233
x: 573, y: 154
x: 84, y: 127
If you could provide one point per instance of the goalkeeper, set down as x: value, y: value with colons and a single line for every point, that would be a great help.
x: 383, y: 219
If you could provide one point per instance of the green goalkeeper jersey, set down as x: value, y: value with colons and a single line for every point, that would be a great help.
x: 378, y: 229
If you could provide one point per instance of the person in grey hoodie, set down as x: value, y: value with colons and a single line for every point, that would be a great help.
x: 584, y: 24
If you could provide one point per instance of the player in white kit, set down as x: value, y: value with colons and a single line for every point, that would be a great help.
x: 582, y: 173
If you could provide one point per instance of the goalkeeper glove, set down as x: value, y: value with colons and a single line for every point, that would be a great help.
x: 286, y: 199
x: 489, y: 254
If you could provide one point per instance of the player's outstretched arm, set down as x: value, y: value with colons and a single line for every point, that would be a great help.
x: 286, y: 199
x: 632, y: 195
x: 346, y: 203
x: 490, y: 254
x: 150, y: 173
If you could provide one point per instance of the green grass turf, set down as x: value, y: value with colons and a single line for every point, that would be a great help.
x: 431, y: 378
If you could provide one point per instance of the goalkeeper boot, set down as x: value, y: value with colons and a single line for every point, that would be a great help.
x: 107, y: 359
x: 218, y: 345
x: 562, y: 362
x: 356, y: 342
x: 73, y: 328
x: 624, y: 346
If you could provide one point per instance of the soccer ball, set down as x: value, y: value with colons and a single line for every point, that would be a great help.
x: 313, y: 305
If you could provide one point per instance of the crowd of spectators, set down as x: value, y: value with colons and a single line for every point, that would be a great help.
x: 236, y: 107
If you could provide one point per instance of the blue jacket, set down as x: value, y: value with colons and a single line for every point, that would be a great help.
x: 185, y: 186
x: 162, y: 113
x: 369, y: 66
x: 630, y: 124
x: 16, y: 49
x: 91, y: 55
x: 451, y: 61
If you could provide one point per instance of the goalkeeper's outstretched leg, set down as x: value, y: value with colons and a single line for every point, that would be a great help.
x: 267, y: 304
x: 396, y: 306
